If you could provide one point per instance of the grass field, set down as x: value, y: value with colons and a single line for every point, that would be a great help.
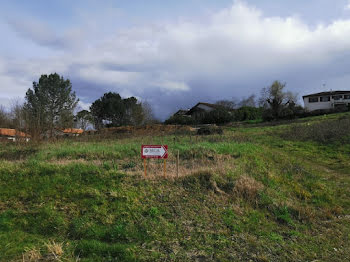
x: 256, y: 193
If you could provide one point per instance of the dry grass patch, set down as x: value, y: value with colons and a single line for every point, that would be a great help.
x: 54, y: 249
x: 247, y: 188
x: 31, y: 255
x: 155, y: 168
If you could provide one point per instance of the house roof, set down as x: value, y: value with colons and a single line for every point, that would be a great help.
x: 214, y: 106
x: 208, y: 104
x: 328, y: 93
x: 12, y: 133
x: 73, y: 131
x: 181, y: 112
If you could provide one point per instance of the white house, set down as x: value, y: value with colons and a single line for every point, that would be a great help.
x: 327, y: 100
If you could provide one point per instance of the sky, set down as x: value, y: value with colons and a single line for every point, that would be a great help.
x: 174, y: 54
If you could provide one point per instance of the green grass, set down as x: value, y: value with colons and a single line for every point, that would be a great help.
x: 91, y: 198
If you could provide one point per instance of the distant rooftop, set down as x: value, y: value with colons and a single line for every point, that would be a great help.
x: 12, y: 133
x: 328, y: 93
x: 73, y: 131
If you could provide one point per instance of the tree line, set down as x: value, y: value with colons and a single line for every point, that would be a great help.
x: 51, y: 104
x: 274, y: 103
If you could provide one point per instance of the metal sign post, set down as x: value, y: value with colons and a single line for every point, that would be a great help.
x: 145, y: 166
x: 164, y: 167
x: 154, y: 151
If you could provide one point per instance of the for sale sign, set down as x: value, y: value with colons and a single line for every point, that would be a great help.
x: 154, y: 151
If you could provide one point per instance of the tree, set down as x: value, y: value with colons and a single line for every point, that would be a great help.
x: 248, y: 102
x: 50, y: 104
x: 227, y: 104
x: 4, y: 117
x: 83, y: 118
x: 274, y: 100
x: 133, y: 112
x: 148, y: 116
x: 112, y: 110
x: 18, y: 116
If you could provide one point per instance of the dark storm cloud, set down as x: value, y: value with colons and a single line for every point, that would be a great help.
x: 234, y: 53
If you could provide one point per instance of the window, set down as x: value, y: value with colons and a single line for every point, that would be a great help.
x: 325, y: 98
x: 337, y: 97
x: 313, y: 99
x: 346, y: 96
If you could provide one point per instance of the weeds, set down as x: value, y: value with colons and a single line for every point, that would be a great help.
x: 329, y: 131
x: 55, y: 249
x: 247, y: 194
x: 283, y: 215
x: 31, y: 254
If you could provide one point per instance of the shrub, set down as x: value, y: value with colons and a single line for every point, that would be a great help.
x: 267, y: 115
x: 247, y: 188
x: 291, y: 111
x: 248, y: 113
x: 180, y: 120
x: 218, y: 116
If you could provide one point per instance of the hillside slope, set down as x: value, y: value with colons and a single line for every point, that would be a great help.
x: 261, y: 193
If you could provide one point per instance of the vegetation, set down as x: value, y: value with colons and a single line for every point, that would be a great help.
x: 248, y: 113
x: 180, y: 120
x: 278, y: 103
x: 83, y: 119
x: 220, y: 116
x: 116, y: 111
x: 4, y: 119
x: 50, y: 104
x: 250, y: 194
x: 15, y: 117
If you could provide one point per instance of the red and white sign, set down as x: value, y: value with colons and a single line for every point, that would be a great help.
x: 154, y: 151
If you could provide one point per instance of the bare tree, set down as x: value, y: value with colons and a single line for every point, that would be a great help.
x: 274, y: 99
x: 228, y: 104
x: 4, y: 117
x: 17, y: 114
x: 249, y: 101
x: 148, y: 116
x: 83, y: 119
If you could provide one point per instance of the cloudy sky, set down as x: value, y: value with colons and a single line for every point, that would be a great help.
x: 175, y: 53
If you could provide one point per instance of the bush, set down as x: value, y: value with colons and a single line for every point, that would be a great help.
x: 289, y: 111
x: 218, y: 116
x: 267, y: 115
x: 180, y: 120
x: 248, y: 113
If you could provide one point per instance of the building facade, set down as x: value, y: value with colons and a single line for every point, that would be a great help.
x: 327, y: 101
